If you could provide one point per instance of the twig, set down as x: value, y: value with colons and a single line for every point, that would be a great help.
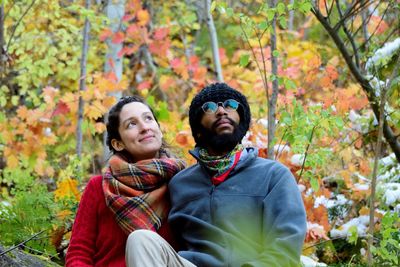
x: 18, y: 22
x: 22, y: 243
x: 306, y: 153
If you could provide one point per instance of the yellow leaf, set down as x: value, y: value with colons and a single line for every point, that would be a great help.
x: 12, y: 161
x: 67, y: 188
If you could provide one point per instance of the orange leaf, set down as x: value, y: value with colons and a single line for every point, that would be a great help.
x: 22, y: 112
x: 143, y: 17
x: 105, y: 34
x: 12, y: 161
x: 182, y: 138
x: 100, y: 127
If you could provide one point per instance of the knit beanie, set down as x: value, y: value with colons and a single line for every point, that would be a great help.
x: 217, y: 92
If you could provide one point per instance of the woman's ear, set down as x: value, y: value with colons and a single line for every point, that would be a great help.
x: 117, y: 145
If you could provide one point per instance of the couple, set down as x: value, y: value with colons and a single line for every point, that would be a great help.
x: 232, y: 208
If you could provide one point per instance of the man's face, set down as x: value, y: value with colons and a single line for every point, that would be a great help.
x: 220, y: 122
x: 220, y: 131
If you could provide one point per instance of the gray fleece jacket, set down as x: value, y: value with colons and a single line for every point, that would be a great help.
x: 254, y: 218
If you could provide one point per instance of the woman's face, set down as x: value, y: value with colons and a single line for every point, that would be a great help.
x: 140, y: 134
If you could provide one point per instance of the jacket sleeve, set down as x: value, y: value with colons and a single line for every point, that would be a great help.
x: 82, y: 244
x: 284, y: 223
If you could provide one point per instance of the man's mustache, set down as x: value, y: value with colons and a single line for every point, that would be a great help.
x: 232, y: 122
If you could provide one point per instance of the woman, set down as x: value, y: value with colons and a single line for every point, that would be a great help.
x: 131, y: 194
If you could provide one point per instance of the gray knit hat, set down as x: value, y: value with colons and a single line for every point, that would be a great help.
x: 217, y: 92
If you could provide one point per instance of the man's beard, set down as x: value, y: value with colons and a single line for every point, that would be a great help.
x: 221, y: 142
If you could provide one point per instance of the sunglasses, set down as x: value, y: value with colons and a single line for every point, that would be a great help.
x: 212, y: 107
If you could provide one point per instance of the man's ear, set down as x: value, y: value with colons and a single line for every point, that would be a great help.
x: 117, y: 145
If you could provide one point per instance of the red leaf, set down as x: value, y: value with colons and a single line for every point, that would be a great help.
x: 61, y: 108
x: 128, y: 17
x: 161, y: 33
x: 144, y: 85
x: 105, y: 34
x: 176, y: 63
x: 118, y: 38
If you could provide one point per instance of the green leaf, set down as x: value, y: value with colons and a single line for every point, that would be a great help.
x: 229, y: 12
x: 281, y: 8
x: 244, y: 60
x: 289, y: 84
x: 263, y: 25
x: 275, y: 53
x: 314, y: 184
x: 283, y: 22
x: 353, y: 234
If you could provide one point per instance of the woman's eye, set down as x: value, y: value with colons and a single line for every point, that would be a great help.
x: 131, y: 124
x: 149, y: 118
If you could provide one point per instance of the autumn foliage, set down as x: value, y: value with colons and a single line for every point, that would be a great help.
x: 325, y: 129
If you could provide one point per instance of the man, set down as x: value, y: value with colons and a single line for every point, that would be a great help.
x: 232, y: 208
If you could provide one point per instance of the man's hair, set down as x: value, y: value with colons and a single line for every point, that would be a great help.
x: 217, y: 92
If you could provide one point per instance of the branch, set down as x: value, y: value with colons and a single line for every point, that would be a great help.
x: 255, y: 59
x: 18, y: 22
x: 346, y: 31
x: 22, y: 243
x: 387, y: 131
x: 306, y: 153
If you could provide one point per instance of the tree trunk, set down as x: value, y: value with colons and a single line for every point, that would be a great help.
x: 275, y: 88
x: 213, y: 40
x: 2, y: 51
x: 82, y: 83
x: 114, y: 10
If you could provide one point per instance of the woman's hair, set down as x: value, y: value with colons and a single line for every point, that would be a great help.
x: 113, y: 120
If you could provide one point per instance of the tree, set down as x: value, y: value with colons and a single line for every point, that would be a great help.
x: 339, y: 20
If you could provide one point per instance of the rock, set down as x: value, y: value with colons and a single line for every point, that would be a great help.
x: 18, y: 258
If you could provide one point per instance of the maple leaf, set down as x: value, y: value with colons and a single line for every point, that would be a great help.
x: 67, y: 188
x: 49, y: 93
x: 144, y: 85
x: 118, y: 38
x: 22, y: 112
x: 160, y: 33
x: 61, y: 109
x: 99, y: 127
x: 12, y: 161
x: 105, y: 34
x: 182, y: 138
x: 159, y: 48
x: 143, y: 17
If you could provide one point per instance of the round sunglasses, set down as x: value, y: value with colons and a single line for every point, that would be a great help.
x: 212, y: 107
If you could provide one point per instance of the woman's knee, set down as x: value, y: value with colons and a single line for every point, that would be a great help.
x: 140, y: 236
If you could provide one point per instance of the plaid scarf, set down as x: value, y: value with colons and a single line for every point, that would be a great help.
x: 220, y: 165
x: 137, y: 192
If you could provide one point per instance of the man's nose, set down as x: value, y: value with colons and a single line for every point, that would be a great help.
x: 220, y: 110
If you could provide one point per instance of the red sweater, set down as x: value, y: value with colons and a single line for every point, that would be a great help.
x: 96, y: 239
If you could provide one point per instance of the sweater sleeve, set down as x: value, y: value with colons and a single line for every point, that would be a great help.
x: 284, y: 224
x: 82, y: 245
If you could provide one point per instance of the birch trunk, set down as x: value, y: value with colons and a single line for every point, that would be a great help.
x: 214, y: 41
x: 82, y: 83
x: 114, y: 10
x: 2, y: 51
x: 275, y: 88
